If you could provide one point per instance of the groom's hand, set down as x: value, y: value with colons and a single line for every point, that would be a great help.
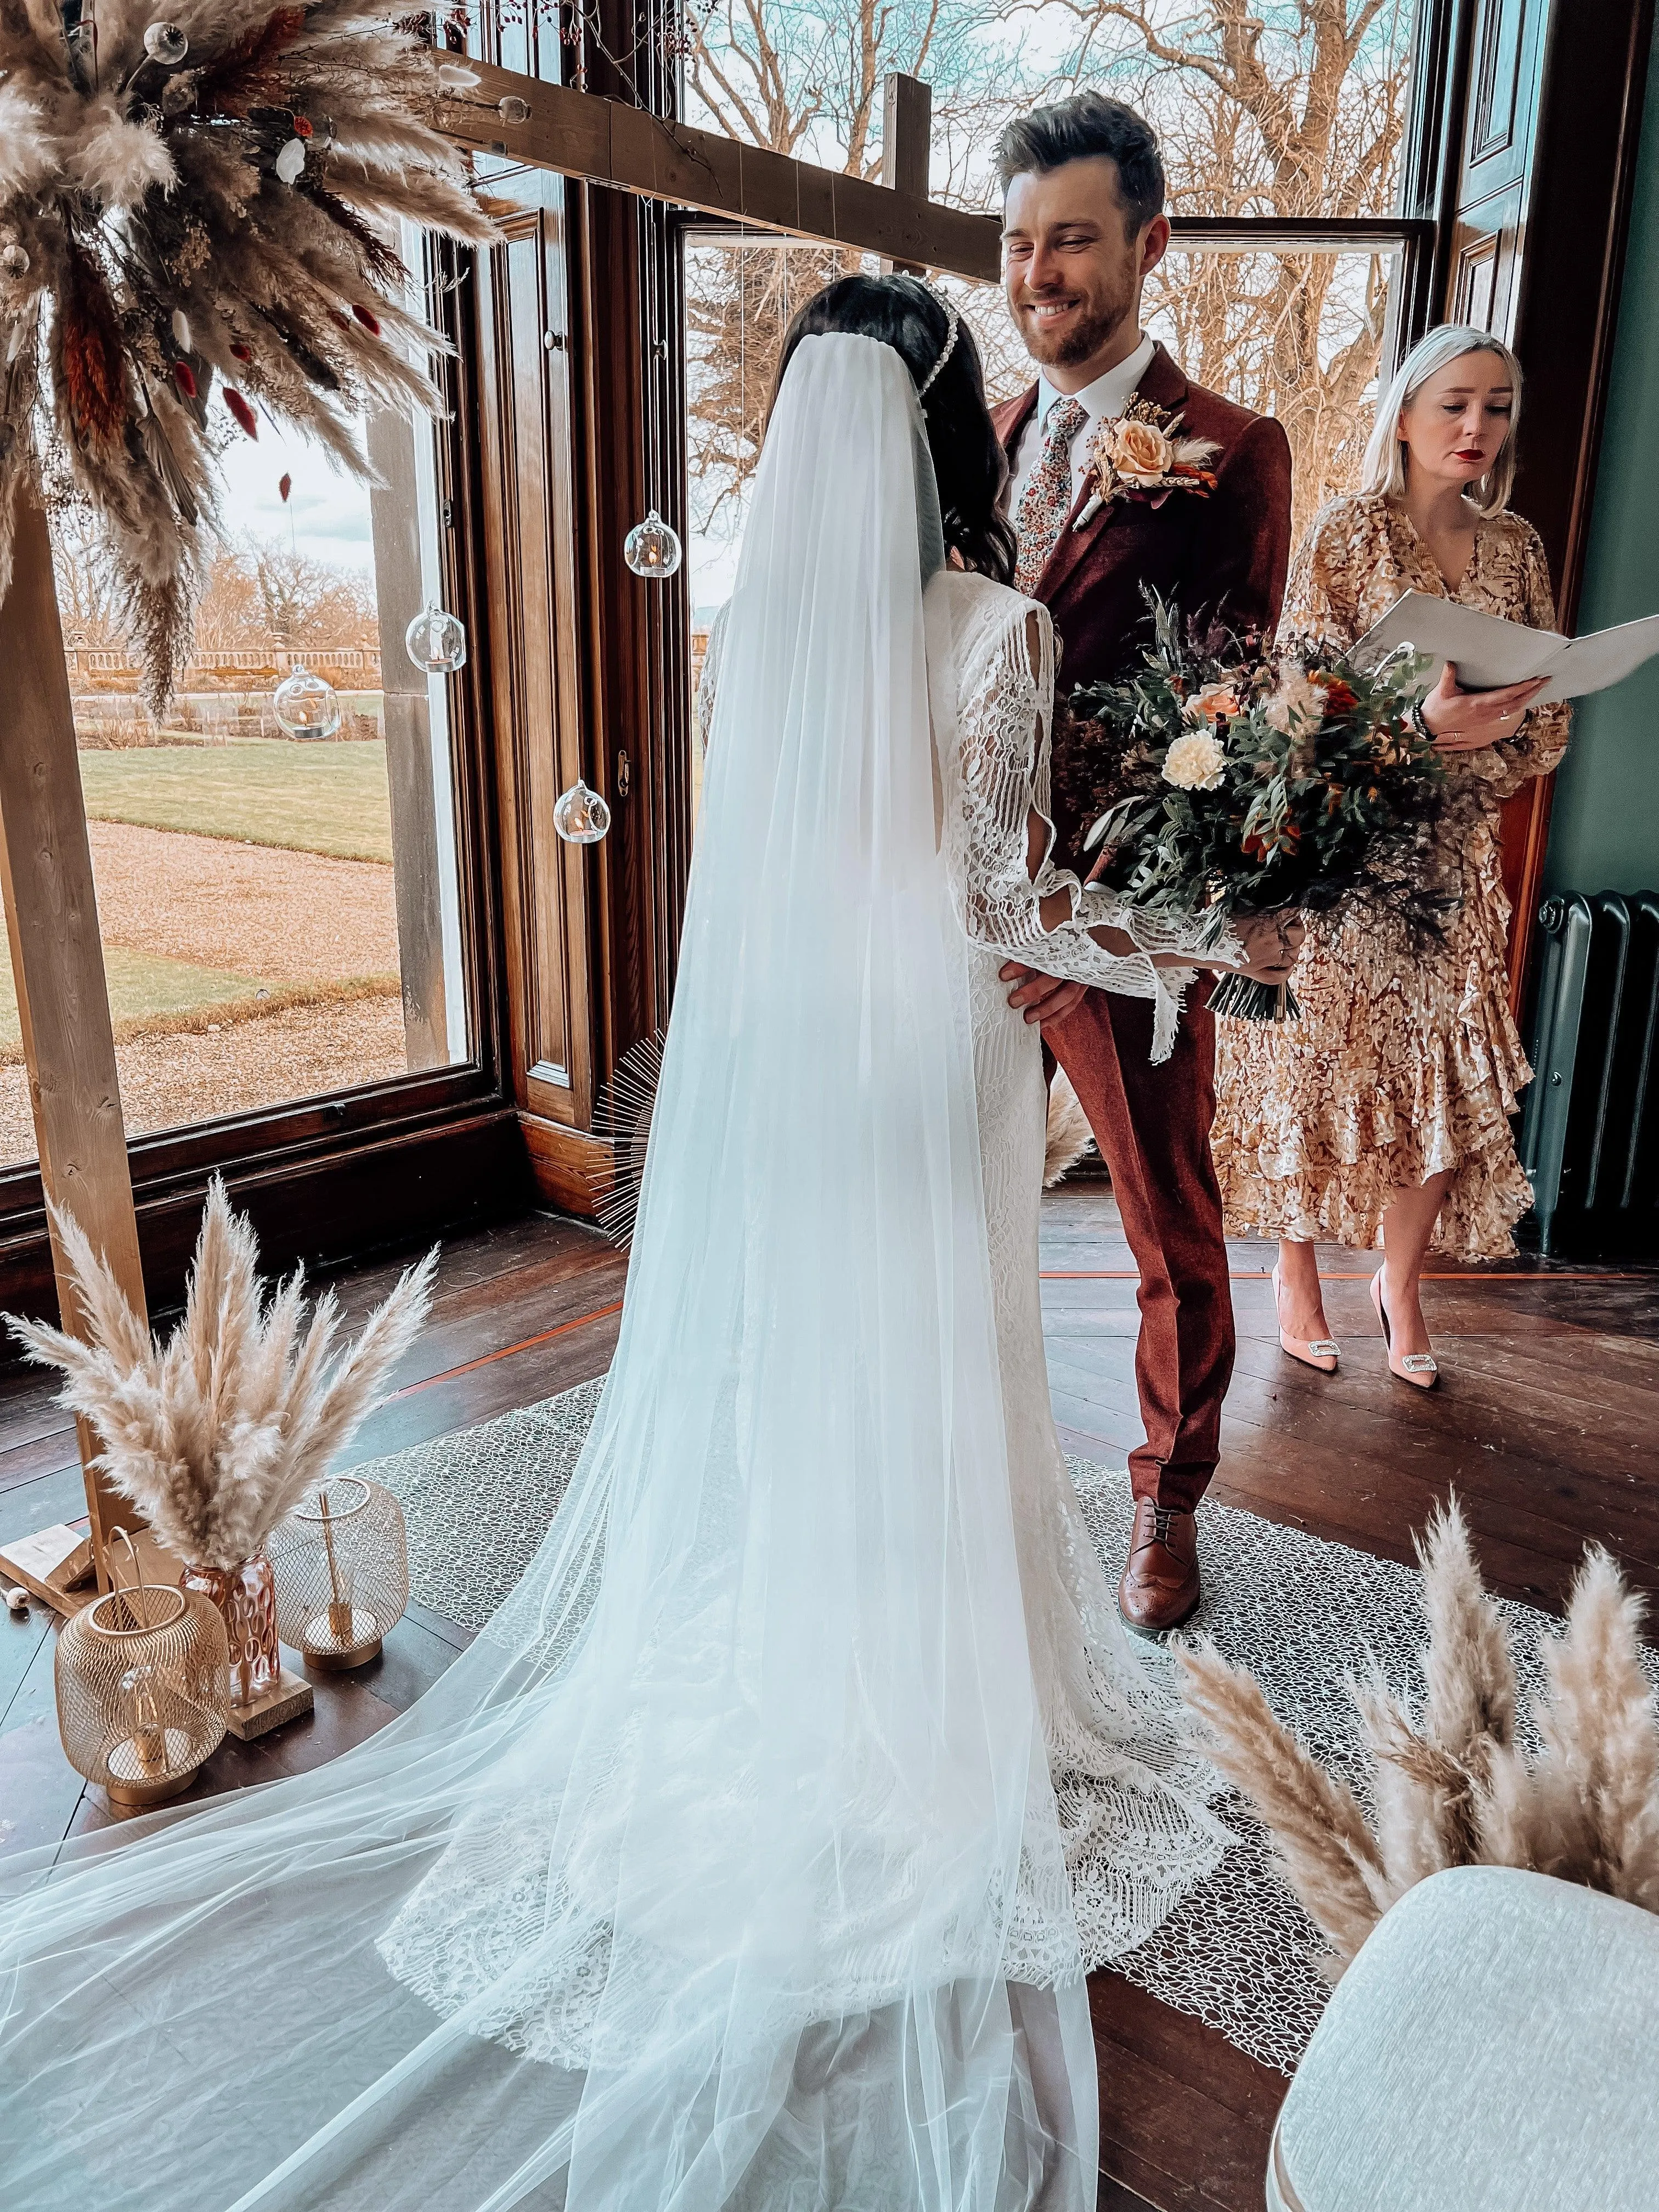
x: 1040, y: 998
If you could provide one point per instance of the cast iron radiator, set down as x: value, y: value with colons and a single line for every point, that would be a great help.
x: 1590, y: 1140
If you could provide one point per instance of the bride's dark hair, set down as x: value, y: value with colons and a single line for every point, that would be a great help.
x: 968, y: 457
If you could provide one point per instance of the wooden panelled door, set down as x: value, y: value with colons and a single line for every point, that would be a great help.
x: 1550, y: 117
x: 528, y: 472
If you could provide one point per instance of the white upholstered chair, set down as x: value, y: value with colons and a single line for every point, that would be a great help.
x: 1493, y: 2048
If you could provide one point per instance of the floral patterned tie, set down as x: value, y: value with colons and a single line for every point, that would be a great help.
x: 1047, y: 499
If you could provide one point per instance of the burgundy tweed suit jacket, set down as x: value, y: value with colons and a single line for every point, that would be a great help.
x: 1225, y: 555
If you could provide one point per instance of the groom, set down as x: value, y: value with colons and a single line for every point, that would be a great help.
x: 1083, y: 226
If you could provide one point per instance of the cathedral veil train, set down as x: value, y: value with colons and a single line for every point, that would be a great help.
x: 755, y: 1853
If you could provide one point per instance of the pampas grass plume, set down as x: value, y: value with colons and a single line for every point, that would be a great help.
x: 1069, y: 1136
x: 1451, y: 1786
x: 1599, y: 1746
x: 217, y: 1435
x: 1468, y: 1668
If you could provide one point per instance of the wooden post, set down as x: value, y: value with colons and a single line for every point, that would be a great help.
x: 57, y: 959
x: 907, y: 145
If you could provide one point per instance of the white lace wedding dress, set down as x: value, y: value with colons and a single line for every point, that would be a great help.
x: 1131, y: 1848
x: 750, y: 1859
x: 1130, y: 1796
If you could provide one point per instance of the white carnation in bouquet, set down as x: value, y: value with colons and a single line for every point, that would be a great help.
x: 1195, y: 762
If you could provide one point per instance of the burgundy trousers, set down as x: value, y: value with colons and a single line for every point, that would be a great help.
x: 1152, y: 1125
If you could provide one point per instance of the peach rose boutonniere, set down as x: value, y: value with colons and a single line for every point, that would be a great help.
x: 1141, y: 455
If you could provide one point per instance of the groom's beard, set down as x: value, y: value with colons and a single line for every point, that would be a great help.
x: 1087, y: 333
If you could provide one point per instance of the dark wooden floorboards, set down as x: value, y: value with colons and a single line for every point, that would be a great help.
x: 1545, y: 1426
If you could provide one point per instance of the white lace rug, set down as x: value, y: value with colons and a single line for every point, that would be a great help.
x: 1299, y: 1613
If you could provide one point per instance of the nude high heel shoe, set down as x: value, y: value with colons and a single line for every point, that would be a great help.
x: 1318, y: 1353
x: 1420, y: 1369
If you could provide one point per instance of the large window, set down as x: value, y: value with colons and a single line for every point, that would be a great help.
x: 1284, y: 131
x: 280, y: 910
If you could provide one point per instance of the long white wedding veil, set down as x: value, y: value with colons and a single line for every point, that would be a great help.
x: 723, y: 1869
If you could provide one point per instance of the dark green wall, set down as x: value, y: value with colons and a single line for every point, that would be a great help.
x: 1604, y: 831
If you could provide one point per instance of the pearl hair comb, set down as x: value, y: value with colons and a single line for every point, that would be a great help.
x: 954, y: 322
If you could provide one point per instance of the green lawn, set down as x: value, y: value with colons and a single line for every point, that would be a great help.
x: 141, y: 983
x: 310, y: 798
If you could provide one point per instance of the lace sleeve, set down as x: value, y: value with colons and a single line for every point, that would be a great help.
x: 1005, y: 715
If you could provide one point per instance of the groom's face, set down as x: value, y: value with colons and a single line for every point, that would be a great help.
x: 1073, y: 264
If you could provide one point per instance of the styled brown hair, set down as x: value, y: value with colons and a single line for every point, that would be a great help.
x: 1081, y: 129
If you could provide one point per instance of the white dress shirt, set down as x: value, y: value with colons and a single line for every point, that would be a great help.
x: 1107, y: 396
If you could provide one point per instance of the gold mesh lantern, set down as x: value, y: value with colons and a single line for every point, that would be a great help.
x: 143, y: 1678
x: 342, y: 1562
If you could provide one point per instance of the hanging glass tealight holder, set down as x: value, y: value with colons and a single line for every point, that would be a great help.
x: 436, y: 641
x: 581, y: 816
x: 306, y: 706
x: 167, y: 43
x: 651, y: 548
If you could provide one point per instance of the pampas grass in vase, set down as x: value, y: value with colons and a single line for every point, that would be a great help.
x: 1449, y: 1784
x: 215, y: 1435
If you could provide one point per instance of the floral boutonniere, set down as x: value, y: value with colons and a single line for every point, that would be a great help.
x: 1141, y: 455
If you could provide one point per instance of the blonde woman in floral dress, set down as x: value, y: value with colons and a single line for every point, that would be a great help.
x: 1382, y: 1117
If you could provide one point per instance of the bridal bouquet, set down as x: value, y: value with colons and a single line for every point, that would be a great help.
x: 1221, y: 782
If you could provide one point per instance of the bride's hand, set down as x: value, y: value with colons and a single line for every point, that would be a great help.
x: 1271, y: 943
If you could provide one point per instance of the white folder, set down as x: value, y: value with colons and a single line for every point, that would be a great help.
x: 1487, y: 652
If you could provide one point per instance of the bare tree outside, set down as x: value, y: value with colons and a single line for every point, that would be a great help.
x: 807, y: 79
x: 1286, y: 108
x: 300, y: 600
x: 90, y: 602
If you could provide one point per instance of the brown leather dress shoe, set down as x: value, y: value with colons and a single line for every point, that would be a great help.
x: 1160, y: 1587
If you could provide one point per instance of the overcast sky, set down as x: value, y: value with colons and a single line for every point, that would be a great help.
x: 327, y: 510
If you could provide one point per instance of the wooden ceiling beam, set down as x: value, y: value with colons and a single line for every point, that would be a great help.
x: 605, y: 142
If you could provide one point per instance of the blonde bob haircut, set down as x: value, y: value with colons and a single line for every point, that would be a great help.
x: 1384, y: 466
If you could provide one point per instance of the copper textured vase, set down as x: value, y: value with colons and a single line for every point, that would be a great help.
x: 246, y: 1595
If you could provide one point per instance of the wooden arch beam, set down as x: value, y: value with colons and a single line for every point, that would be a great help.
x: 605, y: 142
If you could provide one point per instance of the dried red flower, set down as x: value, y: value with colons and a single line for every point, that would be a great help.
x: 371, y: 323
x: 87, y: 336
x: 184, y: 377
x: 239, y: 352
x: 302, y: 126
x: 244, y: 414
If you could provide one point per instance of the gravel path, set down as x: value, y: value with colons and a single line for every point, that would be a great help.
x: 289, y: 917
x: 296, y: 1054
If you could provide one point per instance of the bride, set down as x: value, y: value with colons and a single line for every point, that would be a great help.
x: 755, y: 1853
